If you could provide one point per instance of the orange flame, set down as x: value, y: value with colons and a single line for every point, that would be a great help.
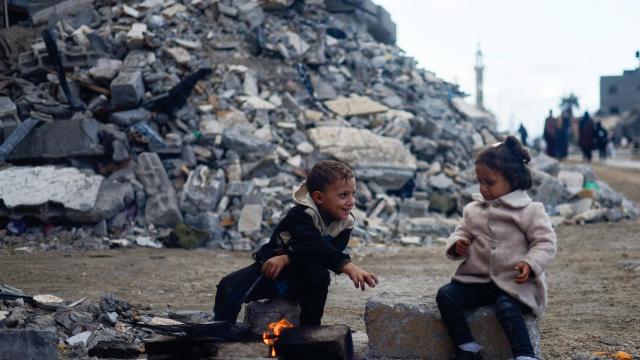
x: 271, y: 336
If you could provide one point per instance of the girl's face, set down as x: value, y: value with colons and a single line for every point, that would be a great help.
x: 492, y: 183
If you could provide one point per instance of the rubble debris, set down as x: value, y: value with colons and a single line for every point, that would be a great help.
x: 54, y: 55
x: 37, y: 186
x: 16, y: 136
x: 286, y: 85
x: 355, y: 105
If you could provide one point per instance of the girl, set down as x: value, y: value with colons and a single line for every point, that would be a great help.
x: 506, y: 242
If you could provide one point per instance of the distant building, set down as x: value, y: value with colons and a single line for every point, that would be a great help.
x: 619, y: 93
x: 479, y: 82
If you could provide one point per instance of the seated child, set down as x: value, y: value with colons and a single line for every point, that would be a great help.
x: 506, y: 242
x: 307, y: 241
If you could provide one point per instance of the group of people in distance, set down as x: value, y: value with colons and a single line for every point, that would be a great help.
x: 591, y: 135
x: 504, y: 242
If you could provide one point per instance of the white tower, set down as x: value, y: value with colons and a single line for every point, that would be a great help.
x: 479, y: 70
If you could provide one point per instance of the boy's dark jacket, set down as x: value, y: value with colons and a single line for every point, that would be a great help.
x: 306, y: 239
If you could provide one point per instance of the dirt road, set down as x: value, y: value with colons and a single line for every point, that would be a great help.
x: 594, y: 284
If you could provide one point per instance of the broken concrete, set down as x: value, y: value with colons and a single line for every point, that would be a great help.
x: 420, y: 333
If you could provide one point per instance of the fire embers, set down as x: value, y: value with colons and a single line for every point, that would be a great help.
x: 271, y: 336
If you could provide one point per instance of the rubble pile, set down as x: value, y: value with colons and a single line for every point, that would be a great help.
x: 188, y: 123
x: 110, y: 328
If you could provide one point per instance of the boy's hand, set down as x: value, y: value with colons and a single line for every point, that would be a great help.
x: 524, y: 271
x: 462, y: 247
x: 359, y: 276
x: 272, y: 267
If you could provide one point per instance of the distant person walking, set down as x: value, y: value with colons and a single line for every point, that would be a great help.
x: 550, y: 134
x: 585, y: 136
x: 601, y: 137
x: 563, y: 133
x: 523, y: 135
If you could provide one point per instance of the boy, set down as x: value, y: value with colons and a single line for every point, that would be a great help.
x: 307, y: 241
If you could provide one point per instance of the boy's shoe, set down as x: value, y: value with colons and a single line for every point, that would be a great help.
x: 466, y: 355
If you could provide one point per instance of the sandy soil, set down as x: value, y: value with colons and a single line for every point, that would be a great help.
x: 594, y: 284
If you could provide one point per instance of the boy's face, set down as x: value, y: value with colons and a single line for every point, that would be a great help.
x: 492, y: 183
x: 337, y: 199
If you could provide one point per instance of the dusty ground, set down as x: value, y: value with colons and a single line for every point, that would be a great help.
x: 594, y: 284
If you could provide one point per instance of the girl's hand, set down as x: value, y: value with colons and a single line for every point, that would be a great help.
x: 462, y: 247
x: 272, y: 267
x: 524, y: 271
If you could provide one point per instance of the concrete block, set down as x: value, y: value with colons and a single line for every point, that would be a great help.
x: 80, y: 139
x: 203, y: 190
x: 105, y: 70
x: 127, y: 89
x: 37, y: 186
x: 411, y: 327
x: 130, y: 117
x: 28, y: 344
x: 250, y: 218
x: 152, y: 174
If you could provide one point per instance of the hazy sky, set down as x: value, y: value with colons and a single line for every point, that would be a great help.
x: 534, y: 51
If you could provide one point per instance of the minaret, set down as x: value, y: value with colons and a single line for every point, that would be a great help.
x: 479, y: 70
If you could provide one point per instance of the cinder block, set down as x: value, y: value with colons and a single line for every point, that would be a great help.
x: 127, y: 89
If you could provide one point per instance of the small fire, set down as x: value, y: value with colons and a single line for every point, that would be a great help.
x: 271, y: 336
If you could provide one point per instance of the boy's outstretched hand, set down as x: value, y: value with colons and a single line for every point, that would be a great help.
x: 359, y: 276
x: 272, y: 267
x: 523, y: 272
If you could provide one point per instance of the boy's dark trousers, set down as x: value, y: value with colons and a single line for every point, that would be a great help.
x: 456, y: 297
x: 309, y: 285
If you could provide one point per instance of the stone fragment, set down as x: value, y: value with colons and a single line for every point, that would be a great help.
x: 162, y: 203
x: 81, y: 338
x: 250, y: 218
x: 572, y: 179
x: 36, y: 186
x: 428, y: 226
x: 374, y: 157
x: 420, y: 333
x: 105, y: 70
x: 440, y: 181
x: 127, y: 89
x: 203, y: 190
x: 135, y: 36
x: 180, y: 55
x: 355, y: 105
x: 256, y: 103
x: 130, y: 117
x: 28, y: 344
x: 81, y: 139
x: 173, y: 10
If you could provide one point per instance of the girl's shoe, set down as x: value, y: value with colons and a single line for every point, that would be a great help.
x: 466, y: 355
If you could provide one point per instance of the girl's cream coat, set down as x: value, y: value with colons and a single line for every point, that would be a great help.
x: 504, y: 232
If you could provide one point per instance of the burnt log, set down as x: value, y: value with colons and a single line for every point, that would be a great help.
x: 327, y: 342
x: 116, y: 349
